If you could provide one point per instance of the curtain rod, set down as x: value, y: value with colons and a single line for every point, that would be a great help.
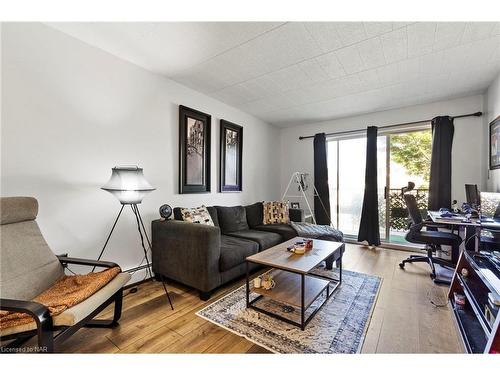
x: 475, y: 114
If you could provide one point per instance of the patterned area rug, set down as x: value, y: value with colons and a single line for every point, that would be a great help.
x: 338, y: 327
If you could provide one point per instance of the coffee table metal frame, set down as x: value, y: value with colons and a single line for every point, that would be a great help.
x: 303, y: 320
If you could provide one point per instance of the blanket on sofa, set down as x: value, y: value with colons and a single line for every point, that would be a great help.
x: 320, y: 232
x: 68, y: 291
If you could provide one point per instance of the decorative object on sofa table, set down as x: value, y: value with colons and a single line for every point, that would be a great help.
x: 194, y: 151
x: 128, y: 185
x: 297, y: 248
x: 231, y: 157
x: 268, y: 282
x: 309, y: 243
x: 165, y: 211
x: 294, y: 204
x: 257, y: 282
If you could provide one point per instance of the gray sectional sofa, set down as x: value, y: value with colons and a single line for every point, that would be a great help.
x: 206, y: 257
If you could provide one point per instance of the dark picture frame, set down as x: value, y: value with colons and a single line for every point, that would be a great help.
x: 494, y: 149
x: 194, y: 151
x: 294, y: 204
x: 231, y: 157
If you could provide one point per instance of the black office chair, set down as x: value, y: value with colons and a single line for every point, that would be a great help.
x: 431, y: 239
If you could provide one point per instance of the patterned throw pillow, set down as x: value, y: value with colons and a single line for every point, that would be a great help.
x: 199, y: 215
x: 276, y: 213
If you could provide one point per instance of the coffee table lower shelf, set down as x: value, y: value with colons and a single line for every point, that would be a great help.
x: 293, y: 289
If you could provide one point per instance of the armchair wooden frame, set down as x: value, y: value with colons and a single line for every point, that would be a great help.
x: 45, y: 331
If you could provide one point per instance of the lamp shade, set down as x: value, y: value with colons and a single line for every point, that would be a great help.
x: 128, y: 185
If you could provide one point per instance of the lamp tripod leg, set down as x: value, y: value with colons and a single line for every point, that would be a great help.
x: 166, y: 291
x: 140, y: 224
x: 135, y: 210
x: 109, y: 235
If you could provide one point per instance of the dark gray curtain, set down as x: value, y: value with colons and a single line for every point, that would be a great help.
x: 322, y: 202
x: 369, y: 226
x: 440, y: 177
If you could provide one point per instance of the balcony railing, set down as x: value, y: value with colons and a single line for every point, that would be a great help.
x: 398, y: 214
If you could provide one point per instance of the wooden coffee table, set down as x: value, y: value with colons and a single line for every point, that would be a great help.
x: 296, y: 284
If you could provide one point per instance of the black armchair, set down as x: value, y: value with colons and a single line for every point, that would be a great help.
x: 432, y: 239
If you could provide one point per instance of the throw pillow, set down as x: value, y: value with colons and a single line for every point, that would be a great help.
x: 276, y: 213
x: 199, y: 215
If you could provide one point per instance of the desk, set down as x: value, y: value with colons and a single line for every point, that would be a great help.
x: 458, y: 220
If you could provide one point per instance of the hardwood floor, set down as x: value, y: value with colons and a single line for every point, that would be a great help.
x: 403, y: 321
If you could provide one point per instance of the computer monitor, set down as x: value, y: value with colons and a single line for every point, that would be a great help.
x: 472, y: 194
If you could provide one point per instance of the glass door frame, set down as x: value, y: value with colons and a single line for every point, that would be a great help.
x: 387, y: 188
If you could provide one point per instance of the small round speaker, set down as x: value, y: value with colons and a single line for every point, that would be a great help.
x: 165, y: 211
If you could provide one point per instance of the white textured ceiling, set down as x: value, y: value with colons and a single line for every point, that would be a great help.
x: 293, y: 73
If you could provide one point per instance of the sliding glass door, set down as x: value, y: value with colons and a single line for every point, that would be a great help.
x: 397, y: 165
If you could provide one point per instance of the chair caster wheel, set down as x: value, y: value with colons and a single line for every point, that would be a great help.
x: 402, y: 266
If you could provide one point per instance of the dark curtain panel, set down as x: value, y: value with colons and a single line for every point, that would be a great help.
x: 369, y: 227
x: 440, y: 177
x: 321, y: 203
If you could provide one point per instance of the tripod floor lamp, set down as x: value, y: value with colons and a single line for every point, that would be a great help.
x: 128, y: 185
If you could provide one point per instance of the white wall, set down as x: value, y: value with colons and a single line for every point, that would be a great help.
x: 72, y: 111
x: 492, y: 108
x: 467, y: 153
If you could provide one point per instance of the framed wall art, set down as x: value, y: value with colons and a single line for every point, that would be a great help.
x: 194, y: 151
x: 231, y: 157
x: 495, y: 143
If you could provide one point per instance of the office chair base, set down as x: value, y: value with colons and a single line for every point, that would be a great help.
x: 431, y: 261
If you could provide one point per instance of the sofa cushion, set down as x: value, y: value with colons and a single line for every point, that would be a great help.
x: 276, y: 213
x: 233, y: 251
x: 284, y: 230
x: 232, y: 219
x: 211, y: 210
x: 255, y: 214
x: 264, y: 239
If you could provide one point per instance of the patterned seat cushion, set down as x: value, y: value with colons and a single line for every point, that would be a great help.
x: 199, y: 215
x: 276, y: 213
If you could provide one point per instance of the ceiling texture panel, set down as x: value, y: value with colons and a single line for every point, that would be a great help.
x: 292, y: 73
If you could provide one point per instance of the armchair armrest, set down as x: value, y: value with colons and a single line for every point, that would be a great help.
x: 35, y: 309
x: 38, y: 311
x: 186, y: 252
x: 86, y: 262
